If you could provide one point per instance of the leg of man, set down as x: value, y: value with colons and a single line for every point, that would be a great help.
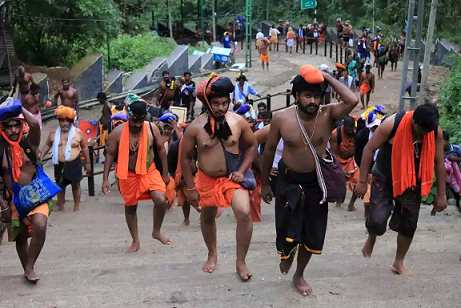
x: 208, y: 226
x: 61, y: 199
x: 267, y: 65
x: 351, y: 206
x: 404, y: 221
x: 76, y: 193
x: 262, y: 63
x: 186, y: 212
x: 362, y: 99
x: 160, y: 207
x: 22, y: 248
x: 241, y: 208
x: 383, y: 67
x: 298, y: 278
x: 132, y: 222
x: 380, y: 211
x: 39, y: 222
x: 368, y: 99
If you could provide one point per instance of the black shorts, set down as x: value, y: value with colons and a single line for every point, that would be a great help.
x: 346, y: 38
x: 405, y: 212
x: 68, y: 173
x: 300, y: 218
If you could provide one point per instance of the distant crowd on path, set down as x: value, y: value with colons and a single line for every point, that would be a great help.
x: 234, y: 155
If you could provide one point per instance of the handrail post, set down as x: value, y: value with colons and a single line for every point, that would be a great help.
x: 317, y: 46
x: 341, y: 55
x: 312, y: 43
x: 331, y: 49
x: 297, y: 44
x: 268, y: 103
x: 286, y: 45
x: 304, y: 44
x: 337, y: 55
x: 288, y: 98
x: 325, y: 47
x: 277, y: 44
x: 91, y: 176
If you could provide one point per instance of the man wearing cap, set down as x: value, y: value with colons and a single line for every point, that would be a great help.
x: 327, y: 98
x: 65, y: 143
x: 223, y: 179
x: 19, y: 170
x: 373, y: 117
x: 301, y: 209
x: 138, y: 147
x: 366, y: 85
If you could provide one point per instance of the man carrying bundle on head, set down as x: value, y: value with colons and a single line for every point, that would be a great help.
x: 65, y: 143
x: 138, y: 147
x: 25, y: 180
x: 223, y: 178
x: 308, y: 175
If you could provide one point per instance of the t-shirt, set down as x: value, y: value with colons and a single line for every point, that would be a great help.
x: 291, y: 35
x: 349, y: 81
x: 226, y: 42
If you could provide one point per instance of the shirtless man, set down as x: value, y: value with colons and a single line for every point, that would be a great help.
x: 367, y: 85
x: 32, y: 103
x: 264, y: 53
x: 165, y: 94
x: 23, y: 80
x: 68, y: 96
x: 66, y: 155
x: 217, y: 133
x: 104, y: 121
x: 21, y: 176
x: 305, y: 224
x: 132, y: 143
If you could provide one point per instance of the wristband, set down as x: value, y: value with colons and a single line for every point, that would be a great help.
x: 191, y: 189
x: 4, y: 210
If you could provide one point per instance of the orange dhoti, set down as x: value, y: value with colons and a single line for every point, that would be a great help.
x: 25, y: 226
x: 264, y: 58
x: 255, y: 201
x: 350, y: 169
x: 137, y: 186
x: 365, y: 88
x: 170, y: 192
x: 215, y: 191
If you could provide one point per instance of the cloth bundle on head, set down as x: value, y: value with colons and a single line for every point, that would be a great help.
x: 119, y: 116
x: 373, y: 116
x: 135, y: 105
x: 10, y: 108
x: 167, y: 116
x: 309, y: 79
x: 324, y: 68
x: 243, y: 109
x: 340, y: 66
x: 207, y: 89
x: 65, y: 113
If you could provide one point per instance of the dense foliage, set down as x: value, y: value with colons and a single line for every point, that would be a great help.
x: 450, y: 95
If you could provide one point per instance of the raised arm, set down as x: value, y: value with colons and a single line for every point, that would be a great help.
x: 33, y: 138
x: 348, y: 98
x: 86, y: 152
x: 268, y: 156
x: 439, y: 160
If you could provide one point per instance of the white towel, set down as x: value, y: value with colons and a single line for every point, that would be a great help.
x: 57, y: 140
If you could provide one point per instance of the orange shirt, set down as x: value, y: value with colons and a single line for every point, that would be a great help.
x: 291, y: 35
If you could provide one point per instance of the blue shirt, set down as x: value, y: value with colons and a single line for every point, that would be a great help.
x: 226, y: 42
x: 455, y: 150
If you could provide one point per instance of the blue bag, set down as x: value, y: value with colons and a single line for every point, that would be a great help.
x: 10, y: 108
x: 40, y: 190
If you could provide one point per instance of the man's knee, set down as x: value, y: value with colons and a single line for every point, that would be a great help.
x: 376, y: 225
x: 75, y: 186
x: 130, y: 209
x: 159, y: 199
x: 208, y: 215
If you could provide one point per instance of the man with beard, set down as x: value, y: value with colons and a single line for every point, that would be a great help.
x: 65, y: 143
x: 301, y: 209
x: 165, y: 94
x: 410, y: 148
x: 222, y: 177
x: 24, y: 177
x: 136, y: 144
x: 23, y: 80
x: 343, y: 145
x: 69, y: 97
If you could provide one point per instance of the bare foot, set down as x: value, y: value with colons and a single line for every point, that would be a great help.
x: 31, y: 276
x: 303, y: 287
x: 61, y: 208
x: 185, y: 223
x: 156, y: 235
x: 363, y: 108
x: 76, y: 209
x: 399, y: 269
x: 133, y: 248
x: 351, y: 208
x: 367, y: 249
x: 243, y: 272
x: 210, y: 264
x: 173, y: 207
x: 338, y: 205
x: 285, y: 265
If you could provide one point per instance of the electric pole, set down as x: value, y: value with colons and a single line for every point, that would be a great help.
x: 248, y: 24
x: 427, y: 51
x: 169, y: 19
x: 202, y: 23
x: 214, y: 20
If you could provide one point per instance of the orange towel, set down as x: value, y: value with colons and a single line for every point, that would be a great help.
x: 16, y: 154
x: 365, y: 88
x: 178, y: 175
x: 255, y: 201
x: 215, y: 191
x: 136, y: 187
x: 171, y: 191
x: 348, y: 164
x: 143, y: 161
x: 403, y: 163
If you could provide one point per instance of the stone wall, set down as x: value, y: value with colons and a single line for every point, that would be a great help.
x: 194, y: 63
x: 114, y: 82
x: 154, y: 70
x: 138, y: 80
x: 178, y: 60
x: 87, y: 76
